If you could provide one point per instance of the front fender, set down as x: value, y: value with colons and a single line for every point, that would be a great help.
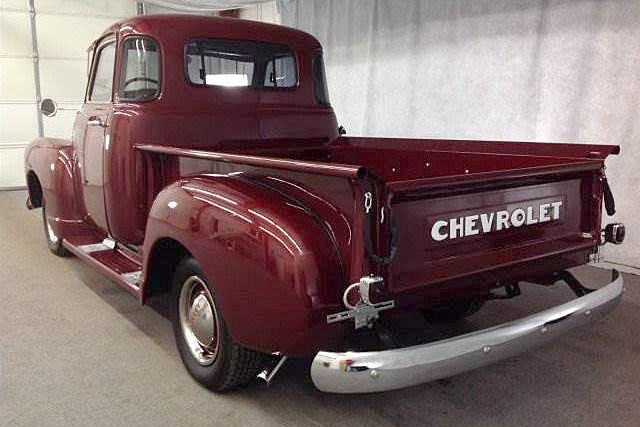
x: 275, y: 271
x: 52, y: 161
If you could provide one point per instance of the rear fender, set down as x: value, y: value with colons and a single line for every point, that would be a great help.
x: 273, y: 268
x: 50, y: 164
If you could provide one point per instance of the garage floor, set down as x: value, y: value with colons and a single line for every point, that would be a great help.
x: 75, y: 350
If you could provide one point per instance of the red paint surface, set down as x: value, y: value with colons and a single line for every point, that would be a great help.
x: 258, y: 186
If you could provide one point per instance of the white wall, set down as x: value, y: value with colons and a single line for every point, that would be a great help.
x: 17, y: 108
x: 556, y: 70
x: 264, y: 12
x: 65, y: 28
x: 256, y: 10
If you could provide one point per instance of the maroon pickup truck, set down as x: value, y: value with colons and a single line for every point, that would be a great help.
x: 206, y: 167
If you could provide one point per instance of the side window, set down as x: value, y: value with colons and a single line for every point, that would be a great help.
x: 140, y: 70
x: 103, y: 77
x: 320, y: 81
x: 280, y: 71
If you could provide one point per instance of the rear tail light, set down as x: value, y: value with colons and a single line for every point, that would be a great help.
x: 614, y: 233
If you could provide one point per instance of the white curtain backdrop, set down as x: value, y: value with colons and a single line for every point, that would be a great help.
x: 196, y: 6
x: 563, y: 70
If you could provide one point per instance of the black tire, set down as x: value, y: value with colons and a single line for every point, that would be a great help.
x: 453, y: 311
x: 53, y: 242
x: 234, y: 365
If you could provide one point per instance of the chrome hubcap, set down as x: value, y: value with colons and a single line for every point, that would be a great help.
x: 199, y: 320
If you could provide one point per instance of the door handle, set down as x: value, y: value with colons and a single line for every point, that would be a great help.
x: 96, y: 121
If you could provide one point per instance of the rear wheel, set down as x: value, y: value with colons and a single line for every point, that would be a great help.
x: 209, y: 353
x: 54, y: 242
x: 453, y: 311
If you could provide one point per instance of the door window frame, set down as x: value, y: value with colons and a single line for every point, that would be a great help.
x: 99, y: 45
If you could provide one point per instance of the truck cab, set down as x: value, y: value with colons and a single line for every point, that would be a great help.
x: 139, y: 84
x: 206, y: 166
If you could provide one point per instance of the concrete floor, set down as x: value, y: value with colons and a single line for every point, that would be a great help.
x: 75, y: 350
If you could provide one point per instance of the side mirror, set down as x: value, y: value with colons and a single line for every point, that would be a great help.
x: 342, y: 130
x: 48, y: 107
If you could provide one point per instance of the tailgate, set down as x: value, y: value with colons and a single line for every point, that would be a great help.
x: 453, y: 232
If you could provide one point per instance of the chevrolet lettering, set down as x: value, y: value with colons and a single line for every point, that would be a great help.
x: 473, y: 225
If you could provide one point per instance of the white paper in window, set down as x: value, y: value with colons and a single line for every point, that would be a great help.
x: 227, y: 80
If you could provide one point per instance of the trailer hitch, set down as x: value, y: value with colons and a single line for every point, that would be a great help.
x: 364, y: 312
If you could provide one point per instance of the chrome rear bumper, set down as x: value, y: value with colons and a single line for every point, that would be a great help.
x: 363, y: 372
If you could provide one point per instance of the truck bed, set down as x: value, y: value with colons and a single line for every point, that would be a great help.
x: 404, y: 164
x: 399, y: 162
x: 425, y: 181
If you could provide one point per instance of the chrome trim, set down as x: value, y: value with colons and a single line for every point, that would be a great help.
x: 362, y: 372
x: 267, y: 375
x: 105, y: 245
x: 96, y: 122
x: 132, y: 278
x: 368, y: 202
x: 51, y: 233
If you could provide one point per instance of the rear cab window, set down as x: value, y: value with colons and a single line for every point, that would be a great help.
x: 240, y: 64
x: 140, y: 70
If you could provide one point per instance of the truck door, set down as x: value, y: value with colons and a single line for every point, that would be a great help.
x: 96, y: 114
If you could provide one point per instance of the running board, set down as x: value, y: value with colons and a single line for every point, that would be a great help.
x: 109, y: 260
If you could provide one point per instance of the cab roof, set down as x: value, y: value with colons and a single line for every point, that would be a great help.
x: 181, y: 26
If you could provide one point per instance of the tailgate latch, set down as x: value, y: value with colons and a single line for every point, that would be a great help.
x: 609, y: 201
x: 364, y: 312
